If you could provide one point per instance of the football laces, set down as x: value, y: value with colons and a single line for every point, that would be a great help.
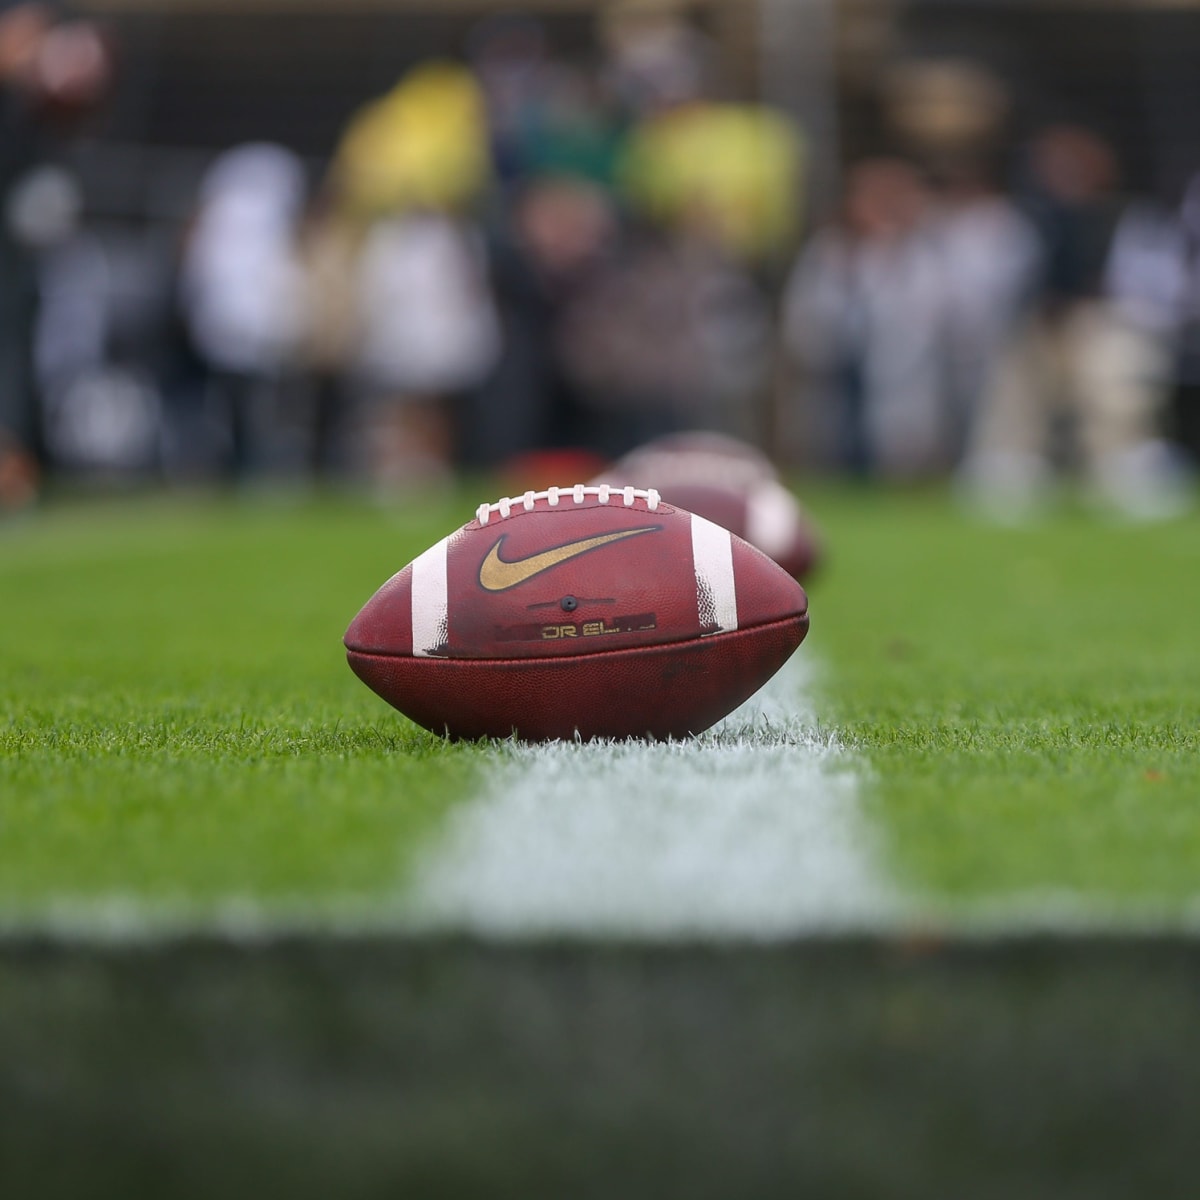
x: 604, y: 493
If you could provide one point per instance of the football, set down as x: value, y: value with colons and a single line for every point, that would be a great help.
x: 587, y: 611
x: 731, y: 484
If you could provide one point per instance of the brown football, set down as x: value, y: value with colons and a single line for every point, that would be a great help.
x: 583, y: 611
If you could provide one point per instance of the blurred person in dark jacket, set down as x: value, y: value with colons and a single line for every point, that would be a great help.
x: 1187, y: 289
x: 509, y: 56
x: 545, y: 116
x: 21, y: 29
x: 557, y: 238
x: 51, y: 71
x: 1082, y: 361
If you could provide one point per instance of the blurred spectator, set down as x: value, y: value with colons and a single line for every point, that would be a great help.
x: 558, y: 237
x: 634, y: 342
x: 727, y: 173
x: 1080, y: 353
x: 991, y: 257
x: 866, y: 316
x: 328, y: 247
x: 545, y: 117
x: 1187, y: 392
x: 50, y: 72
x: 241, y: 291
x: 570, y: 131
x: 655, y: 59
x: 102, y: 301
x: 948, y: 113
x: 409, y: 169
x: 427, y: 331
x: 510, y: 58
x: 423, y: 145
x: 21, y: 29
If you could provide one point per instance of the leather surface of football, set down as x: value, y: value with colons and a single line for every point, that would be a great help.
x: 582, y: 611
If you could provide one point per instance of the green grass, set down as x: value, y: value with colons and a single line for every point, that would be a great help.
x: 1029, y: 698
x: 177, y: 724
x: 179, y: 735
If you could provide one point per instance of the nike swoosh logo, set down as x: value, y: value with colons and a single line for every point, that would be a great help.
x: 498, y: 575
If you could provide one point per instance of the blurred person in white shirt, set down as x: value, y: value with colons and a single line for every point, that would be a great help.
x: 427, y: 330
x: 991, y: 255
x: 241, y: 289
x: 865, y: 316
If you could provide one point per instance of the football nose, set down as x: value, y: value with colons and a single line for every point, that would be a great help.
x: 384, y: 624
x: 766, y: 592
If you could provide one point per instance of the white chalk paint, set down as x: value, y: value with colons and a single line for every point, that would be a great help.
x: 751, y: 831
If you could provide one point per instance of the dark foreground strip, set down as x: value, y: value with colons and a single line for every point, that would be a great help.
x: 346, y: 1068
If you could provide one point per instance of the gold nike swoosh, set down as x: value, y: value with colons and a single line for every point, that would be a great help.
x: 497, y: 575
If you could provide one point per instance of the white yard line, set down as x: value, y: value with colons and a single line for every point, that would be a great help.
x: 752, y: 831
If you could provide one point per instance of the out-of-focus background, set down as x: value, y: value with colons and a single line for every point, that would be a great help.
x: 381, y: 241
x: 924, y: 923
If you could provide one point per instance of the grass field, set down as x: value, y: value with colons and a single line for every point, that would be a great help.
x: 1029, y: 699
x: 212, y: 837
x: 180, y: 733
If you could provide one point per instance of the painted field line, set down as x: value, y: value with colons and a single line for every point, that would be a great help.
x: 753, y: 830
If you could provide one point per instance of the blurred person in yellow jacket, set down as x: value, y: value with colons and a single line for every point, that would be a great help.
x: 728, y: 171
x: 422, y: 329
x: 692, y: 162
x: 423, y: 145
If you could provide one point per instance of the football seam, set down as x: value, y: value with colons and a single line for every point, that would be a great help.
x: 546, y: 659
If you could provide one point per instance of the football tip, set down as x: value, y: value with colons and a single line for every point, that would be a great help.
x: 384, y: 624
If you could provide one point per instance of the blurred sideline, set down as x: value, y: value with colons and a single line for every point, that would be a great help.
x: 498, y: 236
